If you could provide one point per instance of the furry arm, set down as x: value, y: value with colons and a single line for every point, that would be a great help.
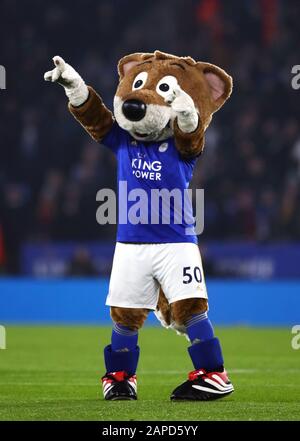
x: 191, y: 144
x: 84, y: 103
x: 188, y: 131
x: 93, y: 115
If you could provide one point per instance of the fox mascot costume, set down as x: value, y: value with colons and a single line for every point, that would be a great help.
x: 162, y: 107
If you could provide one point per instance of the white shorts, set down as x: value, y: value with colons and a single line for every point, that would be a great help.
x: 139, y: 269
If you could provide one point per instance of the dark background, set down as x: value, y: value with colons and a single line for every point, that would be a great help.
x: 50, y: 170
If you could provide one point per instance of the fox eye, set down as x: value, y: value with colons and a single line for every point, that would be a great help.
x: 139, y: 80
x: 138, y: 84
x: 166, y: 85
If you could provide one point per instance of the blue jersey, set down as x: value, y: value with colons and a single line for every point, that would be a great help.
x: 154, y: 205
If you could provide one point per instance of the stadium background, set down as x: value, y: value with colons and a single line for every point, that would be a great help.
x: 54, y: 258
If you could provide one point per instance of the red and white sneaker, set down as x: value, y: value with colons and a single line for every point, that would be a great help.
x: 119, y: 386
x: 203, y: 386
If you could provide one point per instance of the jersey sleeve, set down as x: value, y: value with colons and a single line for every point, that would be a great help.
x: 113, y: 139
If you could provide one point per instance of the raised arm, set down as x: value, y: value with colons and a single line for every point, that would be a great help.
x: 84, y: 103
x: 188, y: 128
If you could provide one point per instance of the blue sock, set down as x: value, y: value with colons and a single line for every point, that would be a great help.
x: 123, y: 338
x: 116, y: 361
x: 123, y: 353
x: 205, y: 351
x: 199, y: 328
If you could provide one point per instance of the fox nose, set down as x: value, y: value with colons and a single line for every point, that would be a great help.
x: 134, y: 110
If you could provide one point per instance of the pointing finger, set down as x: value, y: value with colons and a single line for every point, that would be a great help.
x: 59, y: 63
x: 48, y: 75
x: 56, y: 73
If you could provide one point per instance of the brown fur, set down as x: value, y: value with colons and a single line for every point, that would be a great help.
x: 193, y: 77
x: 93, y: 115
x: 182, y: 310
x: 189, y: 144
x: 133, y: 318
x: 164, y: 307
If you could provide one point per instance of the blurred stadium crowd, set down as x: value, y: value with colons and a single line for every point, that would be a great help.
x: 50, y: 170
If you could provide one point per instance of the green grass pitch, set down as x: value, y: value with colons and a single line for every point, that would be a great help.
x: 52, y: 373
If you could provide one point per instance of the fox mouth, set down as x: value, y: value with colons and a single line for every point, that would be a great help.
x: 145, y: 135
x: 142, y: 135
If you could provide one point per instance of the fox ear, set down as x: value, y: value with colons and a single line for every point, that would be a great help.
x: 128, y: 62
x: 219, y: 82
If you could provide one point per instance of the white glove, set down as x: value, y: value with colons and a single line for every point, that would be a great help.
x: 64, y: 74
x: 184, y: 108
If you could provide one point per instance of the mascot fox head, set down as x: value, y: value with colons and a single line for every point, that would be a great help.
x: 149, y: 82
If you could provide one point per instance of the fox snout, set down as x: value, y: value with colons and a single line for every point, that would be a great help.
x: 135, y: 103
x: 134, y: 109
